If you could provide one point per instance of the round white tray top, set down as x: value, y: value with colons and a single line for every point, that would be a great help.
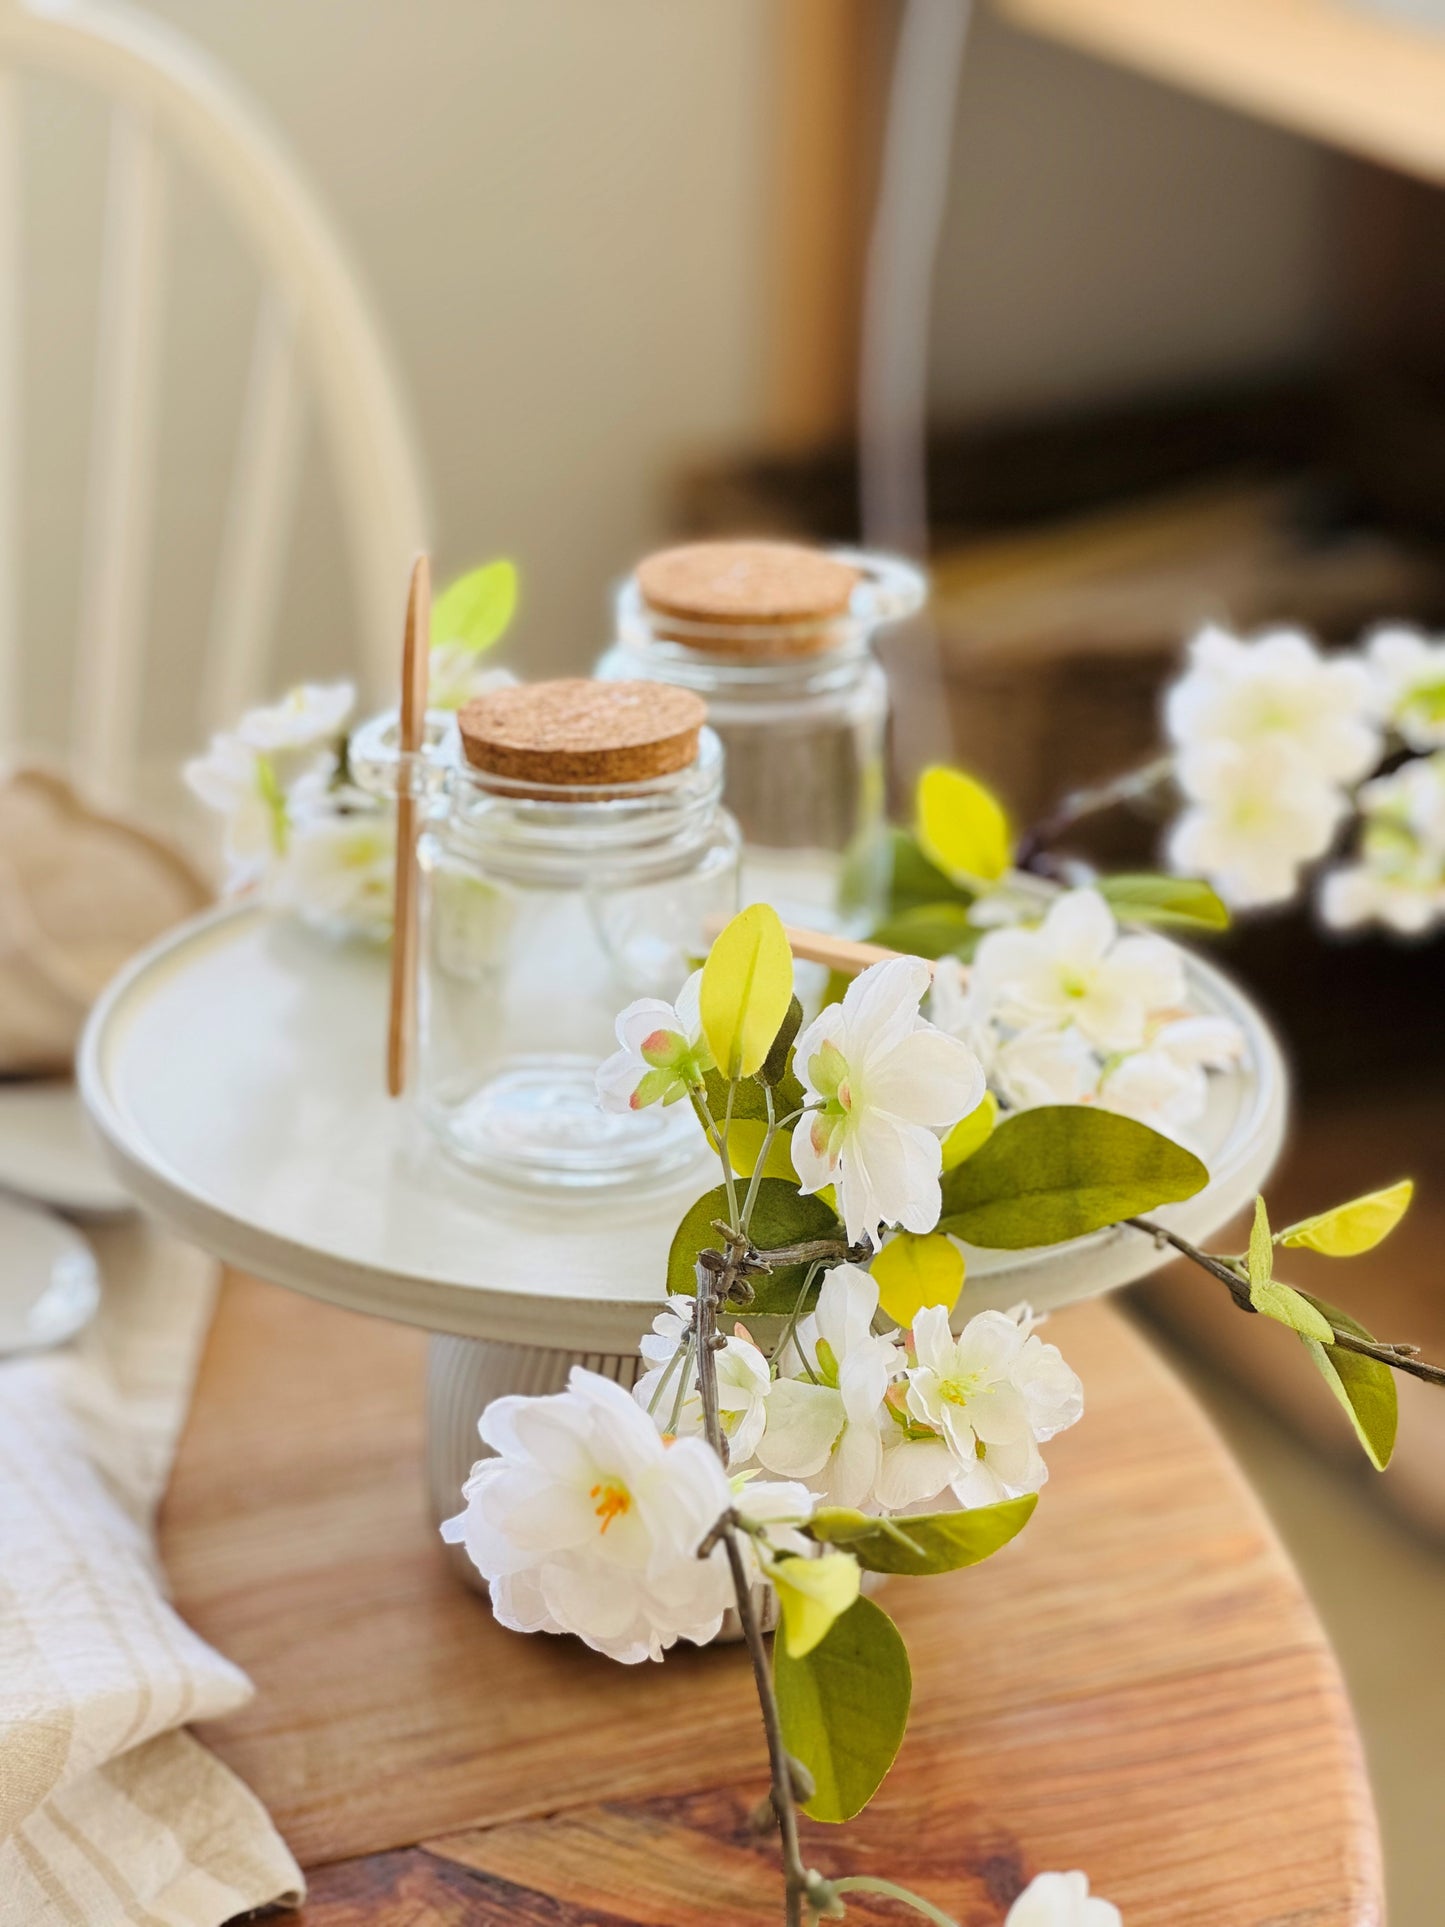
x: 235, y: 1074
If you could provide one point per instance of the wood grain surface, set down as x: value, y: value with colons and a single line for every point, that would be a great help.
x: 1137, y: 1686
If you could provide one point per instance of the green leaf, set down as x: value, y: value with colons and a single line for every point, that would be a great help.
x: 1364, y: 1386
x: 747, y: 987
x: 476, y: 608
x: 940, y: 1541
x: 781, y: 1216
x: 1060, y: 1172
x: 929, y: 930
x: 844, y: 1708
x: 1156, y: 899
x: 1354, y: 1227
x: 748, y: 1098
x: 1271, y: 1298
x: 913, y: 880
x: 812, y: 1595
x: 971, y: 1132
x: 779, y: 1060
x: 912, y: 1271
x: 962, y: 826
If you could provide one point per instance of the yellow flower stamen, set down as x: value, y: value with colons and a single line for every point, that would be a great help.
x: 613, y: 1499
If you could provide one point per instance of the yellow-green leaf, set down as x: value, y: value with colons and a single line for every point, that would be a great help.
x: 912, y: 1271
x: 927, y: 1542
x: 962, y: 827
x: 844, y: 1708
x: 1261, y: 1247
x: 476, y: 608
x: 1156, y: 899
x: 747, y: 986
x: 745, y: 1141
x: 1354, y: 1227
x: 812, y: 1593
x: 1364, y: 1386
x: 1290, y: 1307
x: 971, y: 1132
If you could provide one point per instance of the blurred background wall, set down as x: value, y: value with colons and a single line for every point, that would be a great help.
x: 581, y: 228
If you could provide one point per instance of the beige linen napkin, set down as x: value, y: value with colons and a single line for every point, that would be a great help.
x: 110, y: 1814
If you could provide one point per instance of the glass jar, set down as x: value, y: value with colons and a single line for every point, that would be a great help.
x: 801, y: 705
x: 547, y: 908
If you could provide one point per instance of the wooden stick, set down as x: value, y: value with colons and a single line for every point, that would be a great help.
x: 415, y: 664
x: 846, y: 955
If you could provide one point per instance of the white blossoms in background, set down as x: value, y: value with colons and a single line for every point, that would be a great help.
x: 1267, y: 734
x: 1062, y: 1900
x: 311, y: 716
x: 1399, y: 879
x: 825, y: 1410
x: 240, y: 785
x: 1164, y: 1085
x: 664, y: 1054
x: 338, y: 870
x: 991, y: 1394
x: 1255, y: 816
x: 887, y: 1086
x: 1279, y: 694
x: 1076, y: 969
x: 668, y: 1389
x: 1409, y: 674
x: 588, y: 1522
x: 456, y: 674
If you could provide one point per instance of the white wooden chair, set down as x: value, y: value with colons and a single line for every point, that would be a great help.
x: 169, y: 105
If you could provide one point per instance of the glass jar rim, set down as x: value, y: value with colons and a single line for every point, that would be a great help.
x: 440, y: 770
x: 889, y: 589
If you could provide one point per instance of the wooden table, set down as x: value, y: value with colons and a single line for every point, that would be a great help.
x: 1137, y: 1686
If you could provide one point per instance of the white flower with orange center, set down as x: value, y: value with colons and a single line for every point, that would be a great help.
x: 884, y: 1087
x: 588, y: 1522
x: 663, y: 1054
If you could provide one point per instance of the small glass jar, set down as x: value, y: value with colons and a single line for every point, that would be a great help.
x: 801, y: 705
x: 547, y: 908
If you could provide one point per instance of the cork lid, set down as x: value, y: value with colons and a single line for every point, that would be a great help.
x: 759, y: 586
x: 577, y: 731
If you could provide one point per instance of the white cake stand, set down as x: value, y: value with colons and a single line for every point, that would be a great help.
x: 235, y: 1074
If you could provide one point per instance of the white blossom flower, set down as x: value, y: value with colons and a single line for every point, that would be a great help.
x: 308, y: 717
x: 1277, y: 694
x: 991, y: 1393
x: 588, y: 1522
x: 888, y: 1084
x: 1164, y: 1085
x: 338, y: 871
x: 743, y: 1379
x: 1076, y: 969
x: 240, y: 784
x: 1399, y: 879
x: 1256, y: 815
x: 1409, y: 673
x: 1062, y: 1900
x: 664, y: 1053
x: 1046, y: 1066
x: 825, y: 1410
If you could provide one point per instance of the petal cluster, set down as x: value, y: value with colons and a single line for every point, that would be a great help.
x: 884, y: 1088
x: 1074, y: 1012
x: 1398, y: 877
x: 587, y: 1521
x: 1268, y: 735
x: 662, y: 1052
x: 1062, y: 1900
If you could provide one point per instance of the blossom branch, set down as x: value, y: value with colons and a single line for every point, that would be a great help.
x: 712, y: 1289
x: 1400, y: 1358
x: 1030, y: 854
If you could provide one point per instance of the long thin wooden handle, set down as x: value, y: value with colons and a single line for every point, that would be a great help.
x: 415, y: 664
x: 846, y: 955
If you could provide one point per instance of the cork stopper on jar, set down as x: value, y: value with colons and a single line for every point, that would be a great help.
x: 580, y: 732
x: 782, y: 594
